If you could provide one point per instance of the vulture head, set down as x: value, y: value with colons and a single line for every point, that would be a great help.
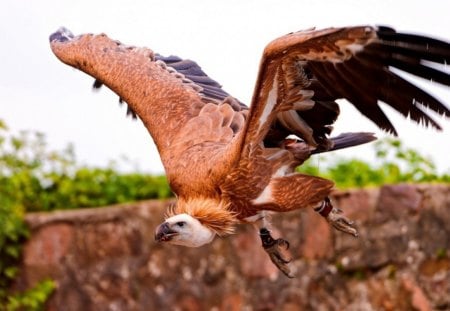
x: 185, y: 230
x: 195, y: 222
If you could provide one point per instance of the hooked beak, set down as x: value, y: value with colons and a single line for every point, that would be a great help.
x: 164, y: 233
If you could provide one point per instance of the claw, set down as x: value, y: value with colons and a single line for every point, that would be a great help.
x: 341, y: 222
x: 273, y: 248
x: 282, y: 242
x: 336, y: 218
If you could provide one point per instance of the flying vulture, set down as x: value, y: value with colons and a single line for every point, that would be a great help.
x: 229, y: 164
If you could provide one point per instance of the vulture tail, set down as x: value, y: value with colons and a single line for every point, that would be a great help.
x: 346, y: 140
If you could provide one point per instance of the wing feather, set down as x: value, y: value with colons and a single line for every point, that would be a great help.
x: 189, y: 116
x: 408, y: 60
x: 209, y: 89
x: 412, y: 44
x: 354, y: 63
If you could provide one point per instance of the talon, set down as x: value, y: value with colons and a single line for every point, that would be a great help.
x: 336, y: 218
x: 282, y: 242
x: 281, y: 259
x: 273, y: 249
x: 341, y: 223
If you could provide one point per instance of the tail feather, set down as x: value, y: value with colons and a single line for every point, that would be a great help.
x: 346, y: 140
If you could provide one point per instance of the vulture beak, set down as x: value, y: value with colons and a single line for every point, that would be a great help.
x: 164, y: 233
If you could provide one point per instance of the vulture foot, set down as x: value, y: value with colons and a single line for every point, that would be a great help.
x: 336, y: 218
x: 274, y: 248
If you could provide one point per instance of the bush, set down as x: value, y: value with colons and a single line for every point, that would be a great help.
x: 32, y: 299
x: 394, y: 163
x: 13, y: 232
x: 42, y: 180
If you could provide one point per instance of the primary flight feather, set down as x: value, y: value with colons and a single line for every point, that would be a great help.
x: 229, y: 164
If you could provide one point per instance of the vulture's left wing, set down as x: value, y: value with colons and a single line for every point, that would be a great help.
x: 303, y: 73
x: 189, y: 116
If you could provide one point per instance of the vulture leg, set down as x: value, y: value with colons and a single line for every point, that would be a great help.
x: 274, y: 248
x: 335, y: 217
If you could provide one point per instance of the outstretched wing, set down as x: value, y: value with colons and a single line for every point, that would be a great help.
x: 189, y: 116
x: 303, y: 73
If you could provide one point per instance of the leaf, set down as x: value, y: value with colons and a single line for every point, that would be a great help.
x: 11, y: 272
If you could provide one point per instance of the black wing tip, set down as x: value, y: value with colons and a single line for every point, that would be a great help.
x: 390, y: 34
x: 97, y: 84
x: 391, y: 131
x: 385, y: 29
x: 61, y: 35
x: 130, y: 112
x: 424, y: 57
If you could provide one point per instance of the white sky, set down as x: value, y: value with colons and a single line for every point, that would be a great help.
x: 225, y: 37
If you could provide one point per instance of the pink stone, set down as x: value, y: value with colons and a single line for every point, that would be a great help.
x: 317, y: 242
x: 253, y: 260
x: 48, y: 245
x: 418, y: 299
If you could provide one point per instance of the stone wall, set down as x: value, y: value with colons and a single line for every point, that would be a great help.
x: 106, y: 258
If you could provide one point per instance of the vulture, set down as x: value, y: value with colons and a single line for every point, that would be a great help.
x: 230, y: 164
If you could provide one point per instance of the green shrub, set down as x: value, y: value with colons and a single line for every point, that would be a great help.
x: 40, y: 179
x: 32, y: 299
x: 394, y: 163
x: 13, y: 231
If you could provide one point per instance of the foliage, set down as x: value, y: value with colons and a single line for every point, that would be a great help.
x: 43, y: 180
x: 94, y: 187
x: 13, y: 232
x: 32, y: 299
x: 394, y: 163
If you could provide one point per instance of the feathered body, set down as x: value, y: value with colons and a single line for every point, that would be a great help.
x: 228, y: 164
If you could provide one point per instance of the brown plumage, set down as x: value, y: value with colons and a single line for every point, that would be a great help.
x: 228, y: 164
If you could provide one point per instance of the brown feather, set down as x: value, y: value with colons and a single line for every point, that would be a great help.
x: 299, y: 191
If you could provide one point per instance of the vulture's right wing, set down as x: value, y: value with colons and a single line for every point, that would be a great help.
x: 303, y: 73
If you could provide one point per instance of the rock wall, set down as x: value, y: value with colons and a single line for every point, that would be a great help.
x: 106, y: 258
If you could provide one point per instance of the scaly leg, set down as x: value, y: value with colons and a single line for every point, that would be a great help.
x: 274, y: 248
x: 335, y: 217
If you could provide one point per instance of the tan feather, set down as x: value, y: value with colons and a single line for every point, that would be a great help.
x: 211, y: 213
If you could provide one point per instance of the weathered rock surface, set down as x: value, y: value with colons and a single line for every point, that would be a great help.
x: 106, y: 258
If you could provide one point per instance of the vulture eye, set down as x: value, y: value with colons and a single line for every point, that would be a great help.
x: 180, y: 223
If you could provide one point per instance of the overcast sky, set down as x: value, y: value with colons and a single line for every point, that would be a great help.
x: 225, y: 37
